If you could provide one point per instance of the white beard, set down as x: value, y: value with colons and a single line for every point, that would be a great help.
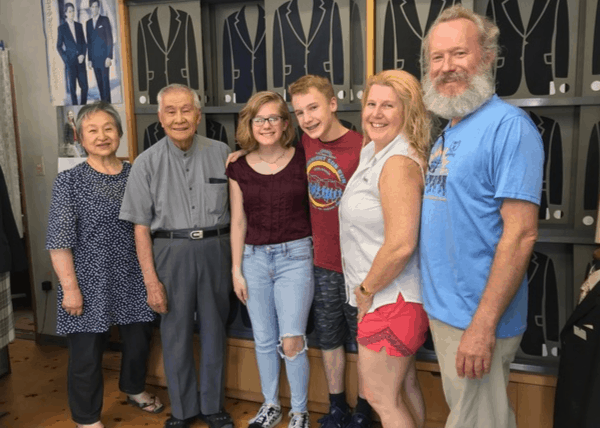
x: 479, y: 90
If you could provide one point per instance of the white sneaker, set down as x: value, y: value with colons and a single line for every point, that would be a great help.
x: 299, y: 420
x: 268, y: 416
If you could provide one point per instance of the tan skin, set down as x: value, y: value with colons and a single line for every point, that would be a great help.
x: 100, y: 138
x: 454, y: 46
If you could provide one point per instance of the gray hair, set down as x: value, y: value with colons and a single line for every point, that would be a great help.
x: 488, y: 33
x: 90, y: 109
x: 178, y: 87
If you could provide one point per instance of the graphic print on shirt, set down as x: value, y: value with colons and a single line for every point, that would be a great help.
x: 437, y: 170
x: 326, y: 180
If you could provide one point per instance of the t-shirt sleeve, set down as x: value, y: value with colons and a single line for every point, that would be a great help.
x: 518, y: 164
x: 138, y: 206
x: 232, y: 170
x: 62, y: 217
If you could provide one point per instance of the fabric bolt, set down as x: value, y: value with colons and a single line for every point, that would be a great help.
x: 171, y: 189
x: 280, y: 292
x: 7, y: 321
x: 276, y: 205
x: 84, y: 217
x: 475, y: 403
x: 362, y: 229
x: 85, y: 383
x: 335, y: 320
x: 490, y: 155
x: 329, y: 167
x: 400, y: 328
x: 12, y: 253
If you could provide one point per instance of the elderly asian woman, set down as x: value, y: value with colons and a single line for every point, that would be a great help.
x: 101, y: 284
x: 379, y: 229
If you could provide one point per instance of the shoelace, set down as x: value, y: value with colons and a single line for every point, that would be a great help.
x: 266, y: 415
x: 298, y: 421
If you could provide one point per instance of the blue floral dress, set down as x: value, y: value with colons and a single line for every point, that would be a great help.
x: 84, y: 216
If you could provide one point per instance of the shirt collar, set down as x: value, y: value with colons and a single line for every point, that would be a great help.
x: 370, y: 148
x: 180, y: 154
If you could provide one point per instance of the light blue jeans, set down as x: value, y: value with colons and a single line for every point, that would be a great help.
x: 280, y: 285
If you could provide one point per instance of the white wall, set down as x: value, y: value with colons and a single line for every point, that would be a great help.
x: 22, y: 32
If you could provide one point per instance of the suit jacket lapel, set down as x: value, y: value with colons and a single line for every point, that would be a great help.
x: 294, y: 21
x: 539, y: 8
x: 154, y: 30
x: 173, y: 28
x: 242, y: 28
x: 316, y: 20
x: 533, y: 267
x: 409, y: 11
x: 513, y: 14
x: 434, y: 10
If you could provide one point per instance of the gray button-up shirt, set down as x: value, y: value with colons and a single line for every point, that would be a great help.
x: 169, y: 189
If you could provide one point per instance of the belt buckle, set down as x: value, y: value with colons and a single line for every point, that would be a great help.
x: 196, y: 234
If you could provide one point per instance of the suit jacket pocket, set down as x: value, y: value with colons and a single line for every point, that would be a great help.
x: 400, y: 64
x: 288, y: 69
x: 236, y: 74
x: 184, y: 73
x: 500, y: 62
x: 548, y: 59
x: 150, y: 75
x: 327, y: 66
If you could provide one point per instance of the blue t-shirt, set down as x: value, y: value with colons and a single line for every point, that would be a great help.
x: 494, y: 153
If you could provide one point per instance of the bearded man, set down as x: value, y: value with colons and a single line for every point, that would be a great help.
x: 479, y: 219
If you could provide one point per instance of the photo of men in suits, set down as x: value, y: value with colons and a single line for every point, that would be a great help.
x: 71, y: 46
x: 100, y: 49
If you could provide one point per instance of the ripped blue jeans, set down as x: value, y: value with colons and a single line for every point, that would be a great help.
x: 280, y: 292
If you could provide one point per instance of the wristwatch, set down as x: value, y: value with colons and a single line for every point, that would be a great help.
x: 364, y: 291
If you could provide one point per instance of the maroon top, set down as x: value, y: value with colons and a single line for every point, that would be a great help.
x: 276, y: 206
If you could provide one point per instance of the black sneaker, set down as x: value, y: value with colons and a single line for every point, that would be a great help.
x: 268, y: 416
x: 336, y: 418
x: 299, y: 420
x: 359, y: 420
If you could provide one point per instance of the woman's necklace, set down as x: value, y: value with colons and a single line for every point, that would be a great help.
x: 275, y: 161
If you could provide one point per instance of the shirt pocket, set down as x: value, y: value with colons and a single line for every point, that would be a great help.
x: 216, y: 198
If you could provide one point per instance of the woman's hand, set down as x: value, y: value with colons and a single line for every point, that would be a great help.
x: 239, y: 285
x: 72, y: 301
x: 235, y: 156
x: 363, y: 302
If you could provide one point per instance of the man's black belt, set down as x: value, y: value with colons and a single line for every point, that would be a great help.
x: 190, y: 234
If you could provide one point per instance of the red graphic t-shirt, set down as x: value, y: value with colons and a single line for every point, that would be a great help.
x: 329, y: 167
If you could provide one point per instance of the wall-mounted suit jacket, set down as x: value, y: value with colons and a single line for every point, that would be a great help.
x: 542, y: 310
x: 295, y: 55
x: 152, y: 134
x: 357, y: 54
x: 578, y: 385
x: 591, y: 187
x: 216, y: 131
x: 403, y: 33
x: 529, y: 49
x: 160, y: 63
x: 244, y: 57
x: 596, y: 48
x: 552, y: 185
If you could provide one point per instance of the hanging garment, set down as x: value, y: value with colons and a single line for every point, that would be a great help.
x: 552, y: 186
x: 153, y: 133
x: 542, y: 310
x: 596, y: 48
x: 591, y: 185
x: 160, y: 63
x: 216, y: 131
x: 244, y: 56
x: 295, y: 55
x: 527, y: 50
x: 357, y: 57
x: 578, y: 385
x: 403, y: 33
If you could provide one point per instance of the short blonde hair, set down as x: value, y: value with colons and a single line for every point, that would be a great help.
x: 321, y: 84
x: 416, y: 120
x: 244, y: 134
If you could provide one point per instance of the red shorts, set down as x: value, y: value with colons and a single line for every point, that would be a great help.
x: 400, y: 327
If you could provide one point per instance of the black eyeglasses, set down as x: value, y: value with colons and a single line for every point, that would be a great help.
x: 260, y: 121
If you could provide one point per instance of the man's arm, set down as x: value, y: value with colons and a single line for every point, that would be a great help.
x: 157, y: 297
x: 511, y: 259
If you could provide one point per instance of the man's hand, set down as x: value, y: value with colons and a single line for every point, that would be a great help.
x: 80, y: 58
x: 475, y: 352
x: 235, y: 156
x: 363, y: 302
x: 72, y: 302
x: 239, y: 286
x: 157, y: 297
x: 107, y: 62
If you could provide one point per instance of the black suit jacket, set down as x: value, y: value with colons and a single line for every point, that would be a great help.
x: 160, y: 63
x: 591, y: 186
x: 578, y: 386
x: 244, y: 56
x: 100, y: 41
x: 69, y: 48
x: 528, y: 49
x: 12, y: 253
x: 216, y: 131
x: 153, y: 133
x: 321, y: 53
x: 542, y: 309
x: 552, y: 186
x: 403, y: 35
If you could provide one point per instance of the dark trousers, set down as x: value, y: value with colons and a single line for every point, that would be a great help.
x: 103, y: 81
x: 76, y: 72
x: 85, y: 383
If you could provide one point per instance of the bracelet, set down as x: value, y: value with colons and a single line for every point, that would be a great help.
x: 364, y: 291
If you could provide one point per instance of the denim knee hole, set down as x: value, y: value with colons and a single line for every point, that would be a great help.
x: 301, y: 351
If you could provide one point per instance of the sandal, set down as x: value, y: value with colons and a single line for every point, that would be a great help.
x: 144, y: 406
x: 218, y: 420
